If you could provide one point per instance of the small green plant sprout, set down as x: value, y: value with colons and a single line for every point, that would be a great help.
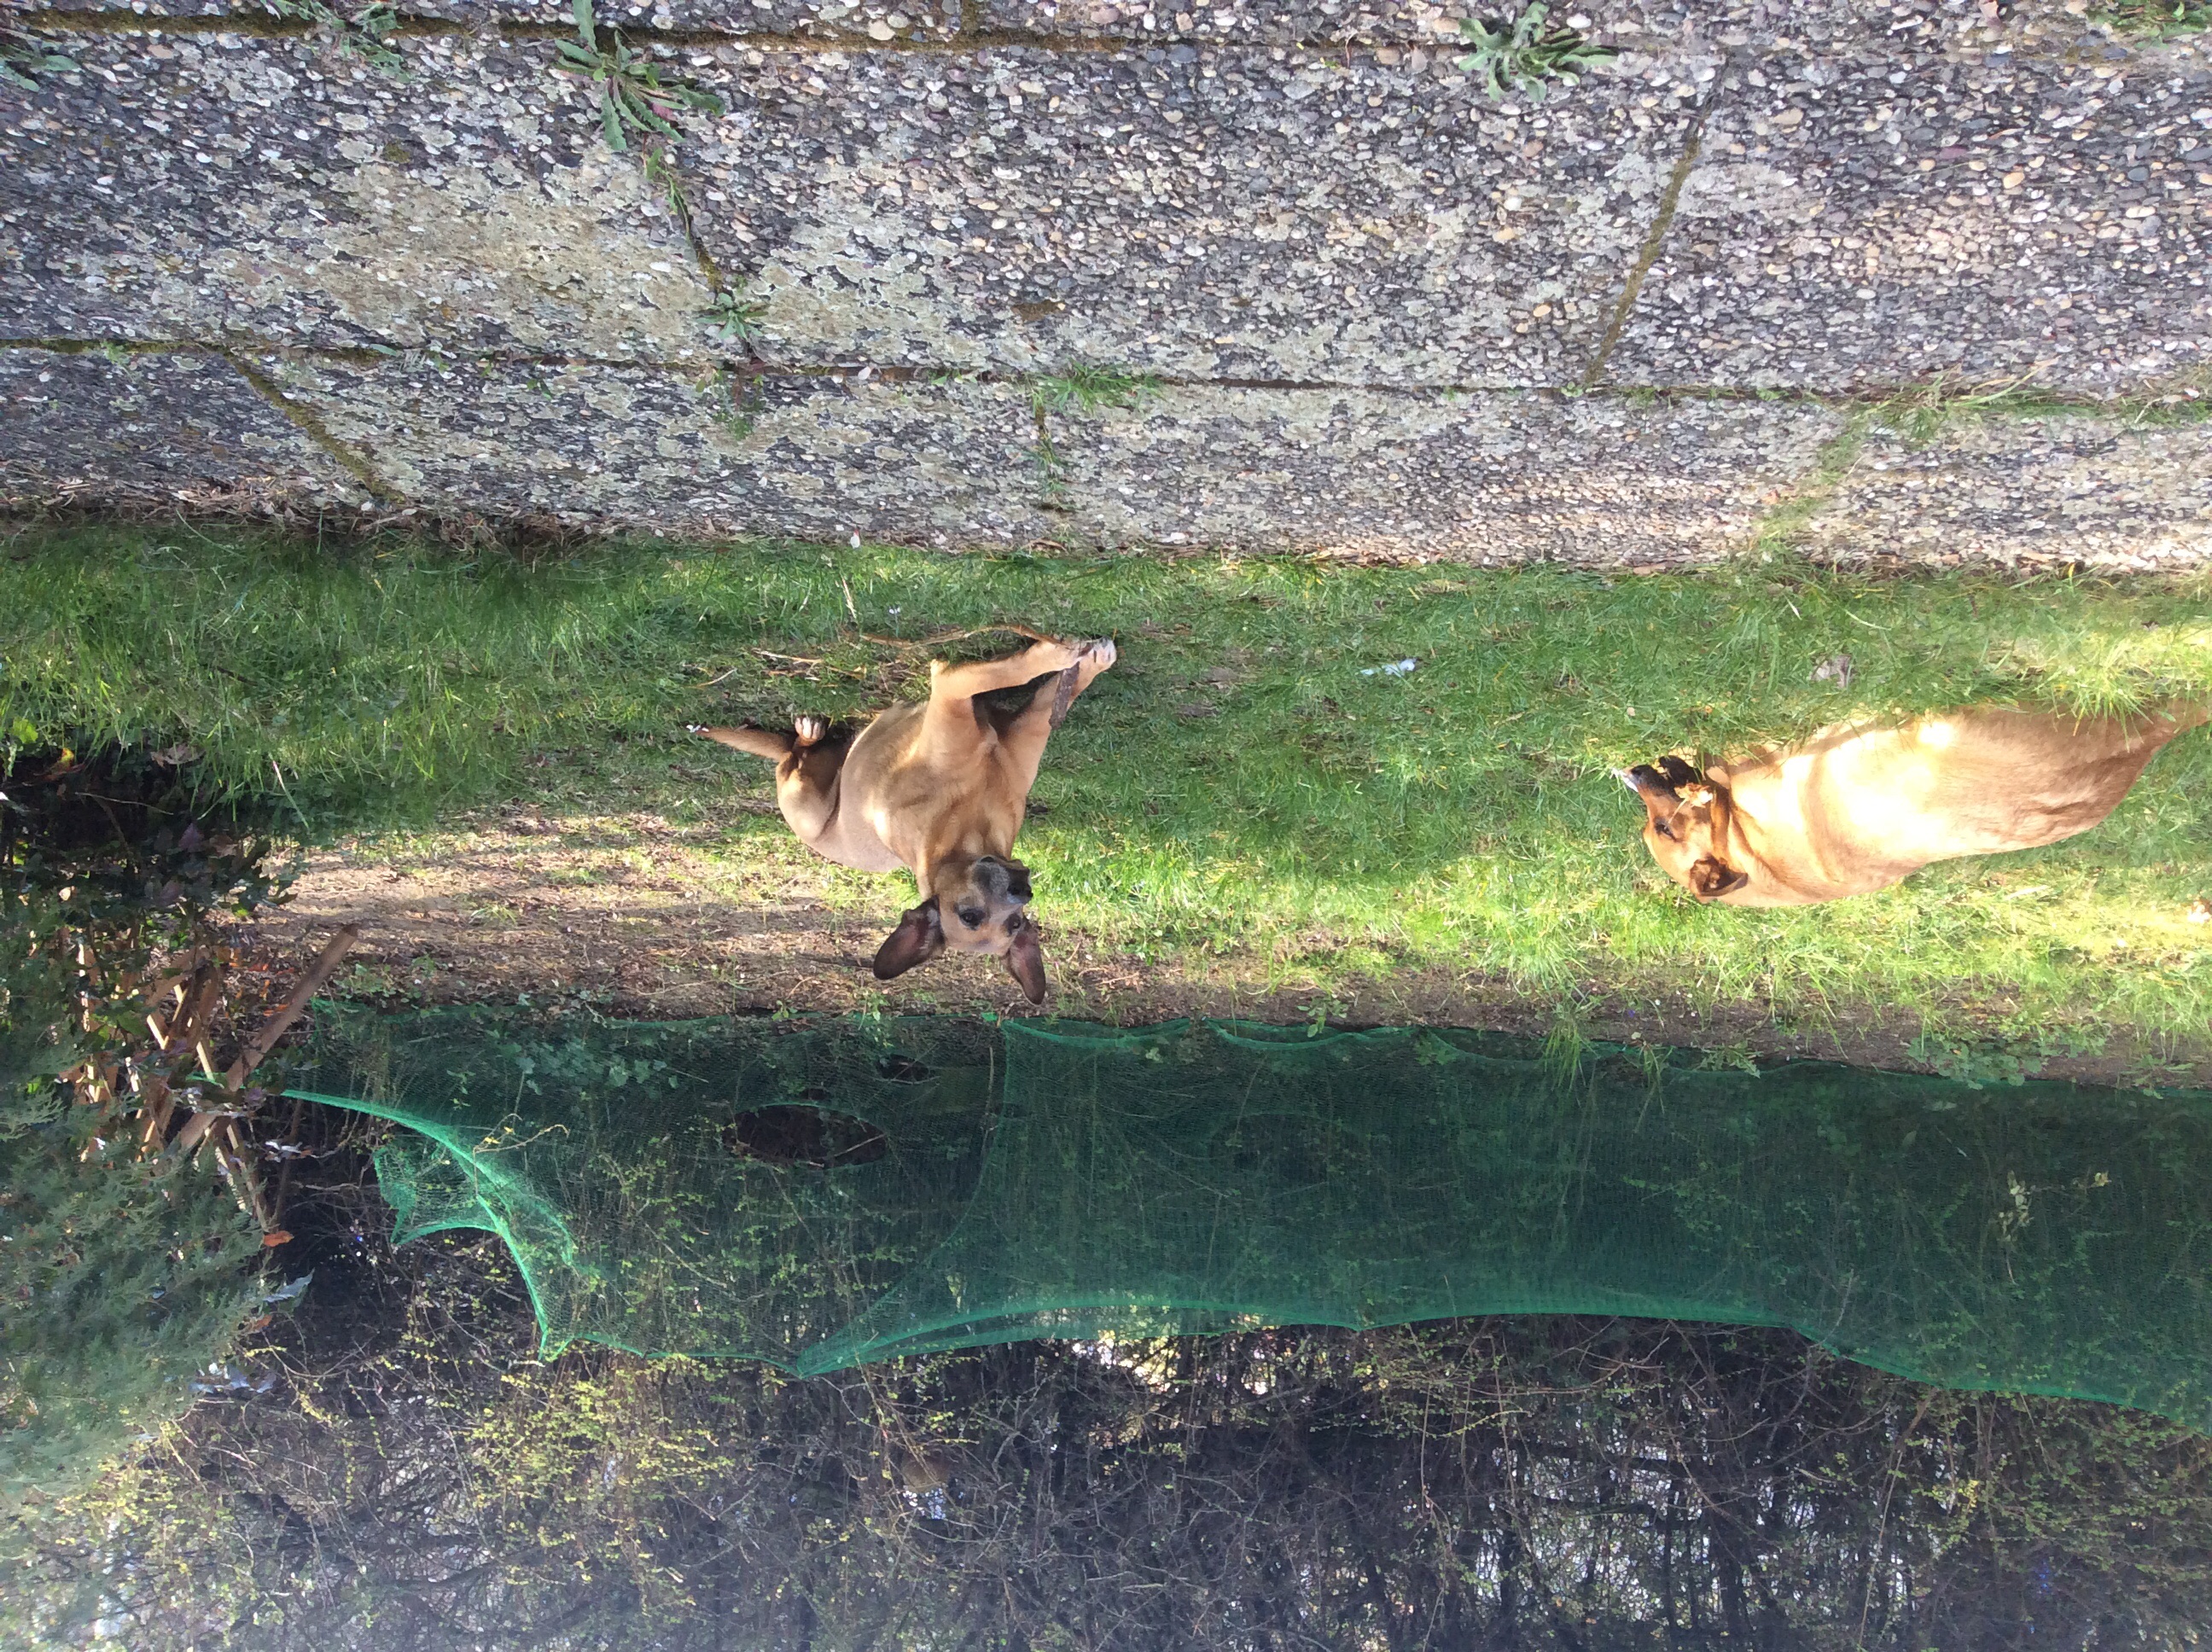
x: 23, y: 58
x: 2154, y: 19
x: 633, y: 97
x: 1529, y: 55
x: 366, y: 37
x: 733, y: 318
x: 1976, y: 1064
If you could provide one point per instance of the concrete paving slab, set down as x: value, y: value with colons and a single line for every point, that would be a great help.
x: 174, y: 429
x: 1642, y: 25
x: 1493, y: 478
x: 863, y: 21
x: 1264, y: 22
x: 224, y: 187
x: 1961, y: 25
x: 1199, y: 213
x: 2030, y: 492
x: 623, y: 448
x: 1867, y: 222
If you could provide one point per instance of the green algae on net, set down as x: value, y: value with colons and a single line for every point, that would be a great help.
x: 823, y: 1193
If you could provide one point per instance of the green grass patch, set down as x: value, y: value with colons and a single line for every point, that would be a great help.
x: 1239, y: 787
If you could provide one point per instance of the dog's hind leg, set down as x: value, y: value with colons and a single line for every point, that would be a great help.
x: 806, y: 779
x: 807, y: 762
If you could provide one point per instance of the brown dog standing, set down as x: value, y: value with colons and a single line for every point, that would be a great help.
x: 1856, y: 808
x: 940, y: 788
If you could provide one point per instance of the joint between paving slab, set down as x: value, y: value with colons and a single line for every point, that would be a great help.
x: 312, y: 426
x: 1648, y: 254
x: 1780, y: 528
x: 2187, y: 405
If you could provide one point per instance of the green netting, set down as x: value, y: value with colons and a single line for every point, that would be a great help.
x: 1069, y: 1181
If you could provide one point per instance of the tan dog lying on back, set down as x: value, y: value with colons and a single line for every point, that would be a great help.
x: 1856, y: 808
x: 940, y: 788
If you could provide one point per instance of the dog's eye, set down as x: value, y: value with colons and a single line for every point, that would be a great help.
x: 1663, y: 829
x: 971, y: 917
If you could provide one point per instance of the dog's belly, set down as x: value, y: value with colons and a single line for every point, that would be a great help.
x: 863, y: 851
x: 866, y: 817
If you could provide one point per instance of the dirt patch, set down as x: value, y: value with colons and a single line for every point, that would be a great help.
x: 632, y: 915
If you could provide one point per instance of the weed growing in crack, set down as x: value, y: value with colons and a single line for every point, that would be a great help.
x: 734, y: 318
x: 1087, y: 389
x: 24, y: 58
x: 366, y: 37
x: 653, y: 161
x: 1918, y: 414
x: 1529, y: 55
x: 1090, y: 388
x: 634, y: 100
x: 736, y: 410
x: 1053, y: 491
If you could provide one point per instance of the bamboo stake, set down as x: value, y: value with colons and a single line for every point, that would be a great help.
x: 256, y: 1050
x: 319, y: 971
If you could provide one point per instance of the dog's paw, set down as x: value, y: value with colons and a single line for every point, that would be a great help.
x: 1098, y: 653
x: 810, y: 730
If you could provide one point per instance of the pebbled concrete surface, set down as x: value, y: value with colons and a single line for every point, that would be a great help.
x: 1486, y: 479
x: 608, y: 447
x: 1201, y: 213
x: 226, y: 188
x: 1186, y: 212
x: 1372, y: 292
x: 1864, y: 221
x: 2027, y: 492
x: 179, y: 430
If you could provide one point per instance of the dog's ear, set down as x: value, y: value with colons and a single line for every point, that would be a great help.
x: 920, y: 937
x: 1025, y: 963
x: 1712, y: 877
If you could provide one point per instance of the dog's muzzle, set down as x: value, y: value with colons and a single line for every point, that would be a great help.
x: 1003, y: 879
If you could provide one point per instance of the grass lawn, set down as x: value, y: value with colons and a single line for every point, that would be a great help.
x: 1243, y: 793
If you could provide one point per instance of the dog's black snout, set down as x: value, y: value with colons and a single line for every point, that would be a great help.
x: 1645, y: 778
x: 1018, y: 885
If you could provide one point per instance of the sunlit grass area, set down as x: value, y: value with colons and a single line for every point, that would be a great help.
x: 1246, y: 785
